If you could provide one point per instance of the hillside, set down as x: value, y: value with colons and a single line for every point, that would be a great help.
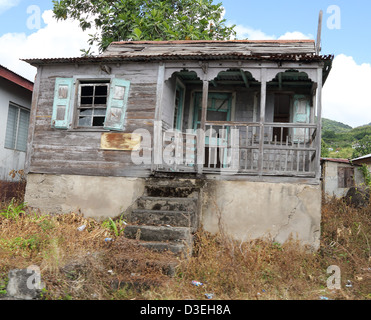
x: 332, y: 125
x: 339, y: 137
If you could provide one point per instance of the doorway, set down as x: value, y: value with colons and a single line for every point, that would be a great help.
x: 219, y: 108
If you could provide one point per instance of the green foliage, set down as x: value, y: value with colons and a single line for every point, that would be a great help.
x: 363, y: 147
x: 114, y: 226
x: 125, y: 20
x: 20, y: 244
x: 13, y: 210
x: 342, y: 139
x: 331, y: 125
x: 3, y: 285
x: 366, y: 174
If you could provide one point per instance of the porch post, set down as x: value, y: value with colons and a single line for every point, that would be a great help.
x: 201, y: 135
x: 263, y: 94
x: 319, y: 123
x: 157, y: 129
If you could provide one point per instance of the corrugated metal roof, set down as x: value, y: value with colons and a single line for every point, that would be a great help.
x: 336, y: 160
x: 166, y: 56
x: 367, y: 156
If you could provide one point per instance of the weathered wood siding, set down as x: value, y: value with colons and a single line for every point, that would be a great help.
x: 78, y: 151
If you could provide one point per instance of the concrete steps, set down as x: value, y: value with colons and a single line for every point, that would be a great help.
x: 168, y: 204
x: 165, y: 217
x: 157, y: 233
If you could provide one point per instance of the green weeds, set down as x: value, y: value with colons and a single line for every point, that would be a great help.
x: 13, y: 210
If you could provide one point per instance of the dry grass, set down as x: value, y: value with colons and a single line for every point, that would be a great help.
x: 82, y: 265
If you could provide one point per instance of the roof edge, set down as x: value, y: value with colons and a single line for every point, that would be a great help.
x: 16, y: 78
x: 211, y: 41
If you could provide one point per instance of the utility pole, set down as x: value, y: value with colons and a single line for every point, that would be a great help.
x: 318, y: 44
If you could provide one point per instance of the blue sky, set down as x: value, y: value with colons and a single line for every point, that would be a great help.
x: 277, y: 17
x: 346, y: 30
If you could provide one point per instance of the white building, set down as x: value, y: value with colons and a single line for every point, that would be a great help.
x: 15, y: 105
x: 339, y: 175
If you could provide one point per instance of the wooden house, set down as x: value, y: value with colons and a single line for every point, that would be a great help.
x: 233, y: 125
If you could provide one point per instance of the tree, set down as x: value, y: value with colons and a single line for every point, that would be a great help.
x: 125, y: 20
x: 363, y: 147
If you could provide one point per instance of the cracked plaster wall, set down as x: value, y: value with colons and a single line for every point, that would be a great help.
x: 251, y: 210
x: 96, y: 197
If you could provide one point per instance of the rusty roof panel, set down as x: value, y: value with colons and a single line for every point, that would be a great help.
x: 199, y: 56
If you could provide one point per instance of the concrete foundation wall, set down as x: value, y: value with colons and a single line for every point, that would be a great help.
x: 96, y: 197
x: 244, y: 209
x: 250, y: 210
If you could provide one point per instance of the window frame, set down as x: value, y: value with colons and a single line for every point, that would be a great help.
x: 19, y: 108
x: 77, y: 80
x: 77, y: 106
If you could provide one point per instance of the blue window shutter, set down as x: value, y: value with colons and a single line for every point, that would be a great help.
x: 116, y: 104
x: 301, y: 108
x: 62, y: 103
x: 301, y: 115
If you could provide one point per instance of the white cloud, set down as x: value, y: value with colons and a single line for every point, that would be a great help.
x: 246, y: 32
x: 55, y: 40
x: 296, y: 35
x: 7, y: 4
x: 347, y: 92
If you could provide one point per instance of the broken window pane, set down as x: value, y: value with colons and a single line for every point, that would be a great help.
x: 98, y: 121
x: 85, y: 122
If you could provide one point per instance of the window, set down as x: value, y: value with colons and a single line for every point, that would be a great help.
x: 92, y: 104
x: 17, y: 128
x: 99, y: 104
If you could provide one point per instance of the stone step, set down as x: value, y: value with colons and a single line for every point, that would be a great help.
x: 158, y: 233
x: 171, y: 192
x: 172, y: 182
x: 175, y: 247
x: 168, y: 204
x: 164, y: 218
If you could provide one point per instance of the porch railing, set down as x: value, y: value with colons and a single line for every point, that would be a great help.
x: 288, y: 149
